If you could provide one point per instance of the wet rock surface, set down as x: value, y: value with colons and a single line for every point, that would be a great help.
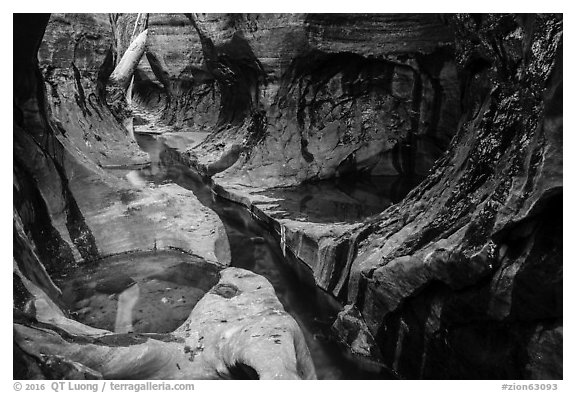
x: 75, y: 57
x: 341, y: 200
x: 245, y: 336
x: 295, y: 87
x: 61, y: 190
x: 439, y: 279
x: 95, y: 212
x: 409, y: 272
x: 253, y: 247
x: 243, y: 320
x: 137, y: 292
x: 461, y: 277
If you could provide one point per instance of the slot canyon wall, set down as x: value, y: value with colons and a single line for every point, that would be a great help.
x: 462, y: 279
x: 71, y: 209
x: 304, y: 97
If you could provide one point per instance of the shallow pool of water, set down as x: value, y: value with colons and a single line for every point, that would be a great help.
x: 151, y: 292
x: 255, y: 248
x: 346, y: 199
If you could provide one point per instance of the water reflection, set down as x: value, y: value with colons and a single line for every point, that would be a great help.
x: 346, y: 199
x: 147, y: 292
x: 253, y: 247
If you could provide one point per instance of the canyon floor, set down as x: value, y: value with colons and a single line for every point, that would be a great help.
x: 288, y: 196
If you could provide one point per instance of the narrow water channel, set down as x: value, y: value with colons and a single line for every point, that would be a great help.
x: 154, y: 292
x: 254, y: 248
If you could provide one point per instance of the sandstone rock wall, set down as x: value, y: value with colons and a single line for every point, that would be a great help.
x: 69, y: 210
x: 304, y: 97
x: 464, y: 277
x: 456, y: 281
x: 76, y: 58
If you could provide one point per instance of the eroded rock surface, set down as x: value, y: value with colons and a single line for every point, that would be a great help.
x: 239, y: 330
x: 442, y: 285
x: 241, y: 327
x: 68, y: 209
x: 304, y: 97
x: 461, y: 279
x: 60, y: 183
x: 464, y: 276
x: 76, y: 59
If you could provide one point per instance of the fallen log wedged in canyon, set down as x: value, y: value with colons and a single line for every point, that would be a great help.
x: 122, y: 74
x: 460, y: 279
x: 456, y: 264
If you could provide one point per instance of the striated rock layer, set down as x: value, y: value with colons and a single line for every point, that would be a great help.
x: 75, y: 202
x: 304, y: 97
x: 64, y: 137
x: 239, y: 330
x: 76, y: 59
x: 463, y: 279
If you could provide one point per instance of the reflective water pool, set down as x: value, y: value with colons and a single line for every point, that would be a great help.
x: 253, y: 247
x: 346, y: 199
x: 146, y: 292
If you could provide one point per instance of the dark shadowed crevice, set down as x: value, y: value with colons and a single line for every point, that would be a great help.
x: 37, y: 221
x: 460, y: 278
x: 80, y: 233
x: 242, y: 371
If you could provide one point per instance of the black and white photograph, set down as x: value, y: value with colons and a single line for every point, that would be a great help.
x: 286, y: 196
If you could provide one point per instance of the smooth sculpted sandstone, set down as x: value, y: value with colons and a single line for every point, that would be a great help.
x: 61, y: 183
x: 97, y: 214
x: 239, y: 330
x: 313, y: 243
x: 69, y: 210
x: 76, y: 60
x: 149, y: 217
x: 462, y: 279
x: 240, y: 326
x: 303, y: 97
